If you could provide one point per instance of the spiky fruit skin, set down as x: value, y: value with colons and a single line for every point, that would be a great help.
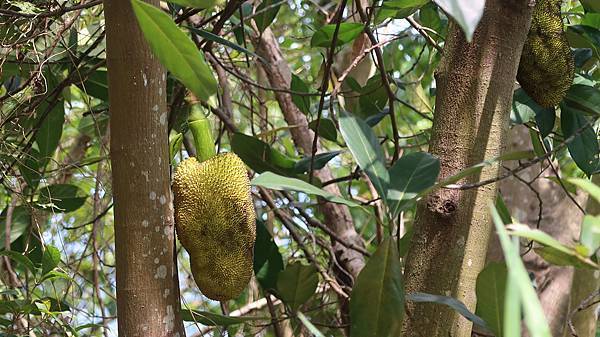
x: 215, y: 222
x: 547, y: 66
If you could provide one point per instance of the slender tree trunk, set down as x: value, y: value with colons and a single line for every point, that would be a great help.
x: 147, y: 287
x: 337, y: 216
x: 559, y: 216
x: 585, y: 283
x: 475, y: 84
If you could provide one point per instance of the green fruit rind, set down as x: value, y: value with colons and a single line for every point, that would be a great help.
x: 215, y: 222
x: 547, y: 66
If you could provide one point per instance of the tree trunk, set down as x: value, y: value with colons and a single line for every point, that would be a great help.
x: 559, y: 217
x: 475, y: 84
x: 585, y: 282
x: 147, y: 287
x: 337, y: 216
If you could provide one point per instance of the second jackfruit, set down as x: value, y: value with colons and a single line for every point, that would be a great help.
x: 215, y: 222
x: 547, y: 68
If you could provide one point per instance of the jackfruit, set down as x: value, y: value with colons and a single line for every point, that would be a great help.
x: 215, y: 223
x: 547, y: 66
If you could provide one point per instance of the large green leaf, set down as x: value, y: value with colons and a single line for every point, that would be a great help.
x: 584, y: 147
x: 584, y: 97
x: 50, y: 131
x: 551, y: 249
x: 412, y: 174
x: 525, y: 109
x: 377, y: 302
x: 212, y: 319
x: 491, y: 288
x: 266, y: 13
x: 532, y: 309
x: 175, y: 50
x: 367, y: 152
x: 451, y: 302
x: 327, y: 129
x: 311, y: 327
x: 61, y: 198
x: 21, y: 218
x: 590, y: 234
x: 347, y: 32
x: 18, y: 257
x: 321, y: 159
x: 216, y: 38
x: 466, y: 13
x: 202, y: 4
x: 301, y: 101
x: 512, y: 303
x: 259, y: 156
x: 296, y: 284
x: 588, y: 186
x: 277, y: 182
x: 267, y: 259
x: 50, y: 259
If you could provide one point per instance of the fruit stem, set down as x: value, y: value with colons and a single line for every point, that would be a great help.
x: 203, y: 140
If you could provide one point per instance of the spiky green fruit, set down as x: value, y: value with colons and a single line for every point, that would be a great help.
x: 215, y: 222
x: 547, y: 67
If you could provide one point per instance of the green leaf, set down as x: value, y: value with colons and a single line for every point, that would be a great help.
x: 267, y: 259
x: 587, y: 186
x: 321, y: 159
x: 491, y: 289
x: 327, y: 129
x: 96, y: 85
x: 212, y: 319
x: 277, y: 182
x: 61, y: 198
x: 175, y: 145
x: 453, y: 303
x: 30, y: 168
x: 21, y: 218
x: 301, y: 101
x: 259, y: 156
x: 175, y: 50
x: 367, y: 152
x: 216, y: 38
x: 584, y: 97
x: 377, y: 302
x: 50, y: 131
x: 590, y: 233
x: 347, y: 32
x: 534, y: 314
x: 296, y: 284
x: 466, y: 13
x: 18, y: 257
x: 412, y: 174
x: 50, y: 259
x: 267, y: 11
x: 525, y: 109
x: 584, y: 147
x: 512, y: 303
x: 202, y: 4
x: 309, y: 326
x: 591, y: 5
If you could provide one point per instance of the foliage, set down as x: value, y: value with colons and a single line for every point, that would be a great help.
x: 56, y: 227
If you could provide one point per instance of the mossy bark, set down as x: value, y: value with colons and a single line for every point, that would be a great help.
x: 147, y: 287
x: 475, y: 84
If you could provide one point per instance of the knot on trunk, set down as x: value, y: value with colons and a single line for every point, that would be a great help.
x: 444, y: 205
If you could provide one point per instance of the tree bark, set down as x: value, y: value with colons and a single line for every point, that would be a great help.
x: 147, y: 287
x: 585, y: 282
x: 558, y: 216
x: 337, y: 216
x: 475, y: 84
